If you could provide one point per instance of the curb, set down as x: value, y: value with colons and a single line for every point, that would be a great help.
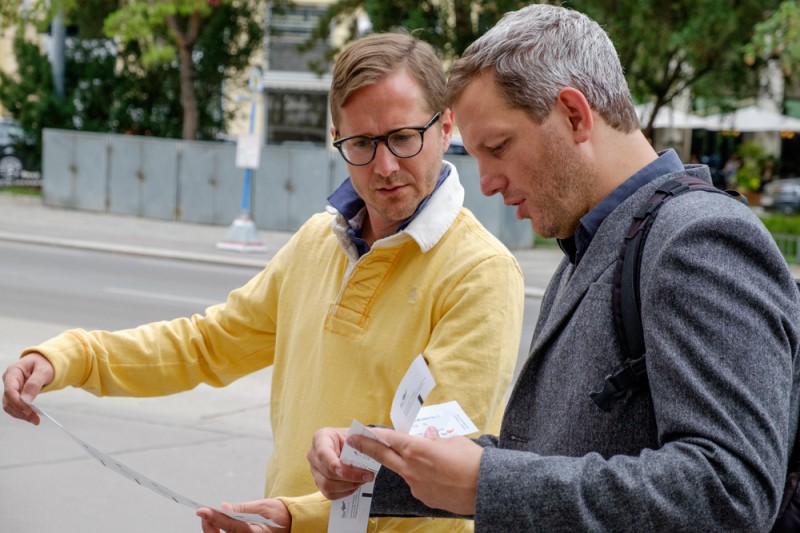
x: 142, y: 251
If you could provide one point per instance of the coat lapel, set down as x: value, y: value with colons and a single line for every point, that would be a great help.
x: 567, y: 289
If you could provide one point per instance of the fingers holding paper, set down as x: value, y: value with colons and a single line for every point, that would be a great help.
x: 334, y: 478
x: 22, y: 382
x: 441, y: 473
x: 214, y: 521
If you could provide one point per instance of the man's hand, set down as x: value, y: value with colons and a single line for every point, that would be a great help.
x: 442, y: 474
x: 334, y: 478
x: 275, y: 510
x: 22, y: 381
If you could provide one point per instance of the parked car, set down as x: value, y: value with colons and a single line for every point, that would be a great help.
x: 456, y: 146
x: 782, y: 196
x: 12, y: 140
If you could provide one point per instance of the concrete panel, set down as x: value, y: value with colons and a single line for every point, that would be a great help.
x: 74, y: 169
x: 88, y: 171
x: 158, y: 194
x: 207, y: 187
x: 307, y: 185
x: 270, y: 194
x: 57, y: 189
x: 125, y: 176
x: 142, y: 177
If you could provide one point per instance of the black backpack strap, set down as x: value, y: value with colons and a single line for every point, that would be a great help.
x: 625, y: 299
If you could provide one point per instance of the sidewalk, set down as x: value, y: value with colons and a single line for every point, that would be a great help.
x: 25, y: 219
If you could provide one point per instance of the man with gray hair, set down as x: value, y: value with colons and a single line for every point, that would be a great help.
x: 542, y: 103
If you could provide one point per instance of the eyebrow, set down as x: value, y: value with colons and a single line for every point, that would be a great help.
x: 337, y: 133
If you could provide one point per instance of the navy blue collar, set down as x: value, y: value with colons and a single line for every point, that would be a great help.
x: 346, y: 200
x: 575, y: 247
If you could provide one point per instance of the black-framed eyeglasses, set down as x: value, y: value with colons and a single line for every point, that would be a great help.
x: 360, y: 150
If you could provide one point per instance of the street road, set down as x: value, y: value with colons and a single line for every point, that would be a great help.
x: 94, y: 290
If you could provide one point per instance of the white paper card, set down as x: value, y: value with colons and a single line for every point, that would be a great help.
x: 351, y: 456
x: 351, y: 514
x: 127, y: 472
x: 410, y: 394
x: 448, y: 418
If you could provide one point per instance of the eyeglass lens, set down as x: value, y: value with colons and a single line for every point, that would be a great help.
x: 403, y: 143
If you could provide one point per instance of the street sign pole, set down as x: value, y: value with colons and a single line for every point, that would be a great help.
x: 241, y: 235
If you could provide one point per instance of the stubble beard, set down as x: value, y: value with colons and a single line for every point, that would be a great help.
x: 400, y: 209
x: 570, y: 179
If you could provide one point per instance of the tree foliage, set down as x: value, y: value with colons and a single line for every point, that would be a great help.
x: 30, y: 97
x: 171, y: 30
x: 668, y: 46
x: 107, y: 89
x: 157, y: 83
x: 665, y: 46
x: 107, y: 85
x: 449, y: 26
x: 778, y: 38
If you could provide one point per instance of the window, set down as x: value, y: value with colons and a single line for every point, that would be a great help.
x: 297, y: 117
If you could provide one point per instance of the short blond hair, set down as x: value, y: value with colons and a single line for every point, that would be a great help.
x: 370, y: 59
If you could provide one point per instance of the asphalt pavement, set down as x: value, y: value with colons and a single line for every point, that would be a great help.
x: 209, y: 445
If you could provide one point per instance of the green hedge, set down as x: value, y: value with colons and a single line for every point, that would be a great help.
x: 782, y: 224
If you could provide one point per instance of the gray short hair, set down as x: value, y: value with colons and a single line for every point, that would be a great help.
x: 535, y: 52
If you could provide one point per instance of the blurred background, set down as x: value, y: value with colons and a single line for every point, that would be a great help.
x: 185, y: 69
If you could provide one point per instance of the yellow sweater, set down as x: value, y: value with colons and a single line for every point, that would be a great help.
x: 340, y: 333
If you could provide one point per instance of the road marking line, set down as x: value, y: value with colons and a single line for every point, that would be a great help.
x: 159, y: 296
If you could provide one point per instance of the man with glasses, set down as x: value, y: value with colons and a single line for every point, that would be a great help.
x: 395, y: 268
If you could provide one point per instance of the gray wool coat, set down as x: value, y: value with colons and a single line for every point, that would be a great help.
x: 705, y: 446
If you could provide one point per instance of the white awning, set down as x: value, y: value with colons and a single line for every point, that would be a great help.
x: 750, y: 119
x: 669, y: 117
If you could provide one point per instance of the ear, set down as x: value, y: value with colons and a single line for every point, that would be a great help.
x: 447, y: 127
x: 333, y: 132
x: 573, y: 104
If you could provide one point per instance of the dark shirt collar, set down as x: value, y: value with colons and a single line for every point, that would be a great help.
x: 346, y: 200
x: 575, y: 247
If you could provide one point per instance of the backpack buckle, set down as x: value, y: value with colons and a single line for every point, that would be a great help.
x: 631, y: 373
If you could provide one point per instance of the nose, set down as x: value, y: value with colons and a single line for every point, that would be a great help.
x: 491, y: 182
x: 385, y: 162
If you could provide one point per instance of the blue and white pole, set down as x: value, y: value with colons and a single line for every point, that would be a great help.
x: 242, y: 235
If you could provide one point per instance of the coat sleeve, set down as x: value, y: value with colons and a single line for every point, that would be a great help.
x: 392, y: 495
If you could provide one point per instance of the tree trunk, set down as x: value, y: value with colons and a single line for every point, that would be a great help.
x: 186, y: 41
x: 191, y: 117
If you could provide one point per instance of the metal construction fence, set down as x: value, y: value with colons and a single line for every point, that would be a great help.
x: 196, y: 181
